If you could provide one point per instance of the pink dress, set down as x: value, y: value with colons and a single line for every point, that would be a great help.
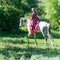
x: 34, y: 22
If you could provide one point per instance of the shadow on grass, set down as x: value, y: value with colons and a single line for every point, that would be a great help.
x: 13, y: 35
x: 23, y: 34
x: 17, y: 52
x: 20, y: 34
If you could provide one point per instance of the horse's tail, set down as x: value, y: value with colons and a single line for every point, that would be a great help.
x: 47, y: 29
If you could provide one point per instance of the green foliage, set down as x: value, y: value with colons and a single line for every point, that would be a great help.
x: 25, y: 7
x: 9, y: 18
x: 16, y: 3
x: 2, y: 57
x: 12, y: 10
x: 40, y: 10
x: 54, y: 25
x: 32, y: 3
x: 28, y: 4
x: 20, y: 8
x: 53, y: 12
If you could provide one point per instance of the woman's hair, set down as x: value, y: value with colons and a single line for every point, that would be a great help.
x: 33, y: 9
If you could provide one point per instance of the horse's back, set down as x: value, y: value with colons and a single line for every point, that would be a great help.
x: 43, y: 24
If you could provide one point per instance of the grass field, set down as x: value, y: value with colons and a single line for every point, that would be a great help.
x: 14, y: 47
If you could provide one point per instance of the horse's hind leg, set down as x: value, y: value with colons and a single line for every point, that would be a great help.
x: 50, y: 36
x: 35, y: 39
x: 45, y: 38
x: 44, y: 33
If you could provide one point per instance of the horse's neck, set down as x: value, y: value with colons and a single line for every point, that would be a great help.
x: 28, y: 21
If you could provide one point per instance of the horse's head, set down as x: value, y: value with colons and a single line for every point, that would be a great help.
x: 22, y: 21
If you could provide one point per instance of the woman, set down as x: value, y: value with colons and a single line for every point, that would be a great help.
x: 34, y: 21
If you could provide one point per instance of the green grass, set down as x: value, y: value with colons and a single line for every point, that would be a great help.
x: 14, y: 47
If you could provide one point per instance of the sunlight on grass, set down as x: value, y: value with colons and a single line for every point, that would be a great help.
x: 7, y: 41
x: 41, y: 57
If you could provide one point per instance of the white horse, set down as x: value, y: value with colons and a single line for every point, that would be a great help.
x: 43, y: 26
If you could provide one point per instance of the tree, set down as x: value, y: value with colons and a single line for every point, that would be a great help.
x: 28, y: 4
x: 9, y: 18
x: 52, y: 9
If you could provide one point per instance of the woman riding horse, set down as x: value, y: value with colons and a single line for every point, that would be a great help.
x: 34, y: 22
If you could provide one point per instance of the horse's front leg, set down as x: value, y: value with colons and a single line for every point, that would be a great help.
x: 35, y: 39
